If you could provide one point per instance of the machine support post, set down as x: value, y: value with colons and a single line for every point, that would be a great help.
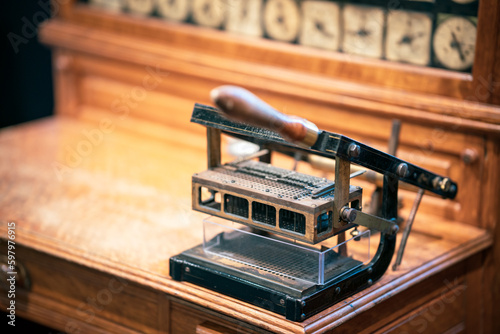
x: 341, y: 197
x: 213, y: 147
x: 390, y: 197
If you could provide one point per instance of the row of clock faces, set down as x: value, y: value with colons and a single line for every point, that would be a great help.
x: 413, y: 37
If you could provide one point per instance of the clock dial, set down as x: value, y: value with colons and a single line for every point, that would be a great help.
x: 244, y: 17
x: 363, y: 30
x: 320, y: 24
x: 408, y: 37
x: 175, y: 10
x: 141, y: 7
x: 110, y: 5
x: 209, y: 13
x: 282, y: 19
x: 454, y: 43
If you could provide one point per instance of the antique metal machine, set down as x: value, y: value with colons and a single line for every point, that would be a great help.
x: 283, y: 258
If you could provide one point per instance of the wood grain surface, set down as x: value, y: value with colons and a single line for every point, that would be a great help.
x: 124, y: 209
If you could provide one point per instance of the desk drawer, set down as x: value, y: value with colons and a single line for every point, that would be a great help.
x: 434, y: 305
x: 187, y: 318
x: 76, y: 299
x: 445, y: 314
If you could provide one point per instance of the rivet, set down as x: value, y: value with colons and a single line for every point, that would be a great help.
x: 402, y: 169
x: 353, y: 150
x: 394, y: 229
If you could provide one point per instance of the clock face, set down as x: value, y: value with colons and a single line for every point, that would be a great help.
x: 282, y: 19
x: 141, y: 7
x: 408, y: 37
x: 209, y: 13
x: 244, y: 17
x: 175, y: 10
x: 320, y: 25
x: 363, y: 30
x: 454, y: 43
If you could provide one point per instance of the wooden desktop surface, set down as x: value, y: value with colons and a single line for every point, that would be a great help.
x: 121, y: 206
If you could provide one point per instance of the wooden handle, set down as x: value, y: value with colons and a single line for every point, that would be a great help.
x: 242, y: 106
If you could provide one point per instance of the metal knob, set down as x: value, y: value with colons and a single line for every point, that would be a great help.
x: 469, y: 156
x: 441, y: 183
x: 22, y: 279
x: 348, y: 214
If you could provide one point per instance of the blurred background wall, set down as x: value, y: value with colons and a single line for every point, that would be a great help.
x: 26, y: 75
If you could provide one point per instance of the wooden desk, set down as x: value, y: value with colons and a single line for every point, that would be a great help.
x: 95, y: 238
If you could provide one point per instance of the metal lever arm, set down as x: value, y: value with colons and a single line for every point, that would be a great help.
x: 373, y: 222
x: 263, y: 123
x: 241, y: 105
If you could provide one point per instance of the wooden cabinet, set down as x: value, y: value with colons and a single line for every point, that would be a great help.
x: 100, y: 193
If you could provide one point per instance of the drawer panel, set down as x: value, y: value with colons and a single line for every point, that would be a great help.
x: 85, y: 295
x: 438, y: 316
x: 436, y: 303
x: 186, y: 318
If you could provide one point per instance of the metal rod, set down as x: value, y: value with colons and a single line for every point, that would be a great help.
x: 257, y: 154
x: 394, y: 139
x: 407, y: 230
x: 296, y: 158
x: 357, y: 173
x: 342, y: 248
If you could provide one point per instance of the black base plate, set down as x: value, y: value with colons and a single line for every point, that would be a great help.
x: 294, y: 298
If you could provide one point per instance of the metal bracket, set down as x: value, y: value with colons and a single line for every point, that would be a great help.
x: 373, y: 222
